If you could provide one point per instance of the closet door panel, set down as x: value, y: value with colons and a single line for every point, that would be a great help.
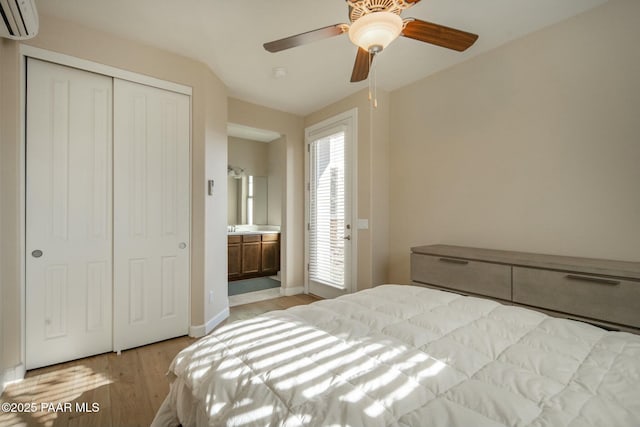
x: 68, y: 214
x: 151, y: 214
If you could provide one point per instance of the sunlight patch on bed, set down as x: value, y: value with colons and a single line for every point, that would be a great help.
x: 354, y: 396
x: 251, y: 336
x: 201, y: 366
x: 318, y: 388
x: 200, y: 372
x: 289, y: 369
x: 401, y: 392
x: 375, y: 410
x: 217, y: 407
x: 324, y: 368
x: 432, y: 370
x: 286, y: 342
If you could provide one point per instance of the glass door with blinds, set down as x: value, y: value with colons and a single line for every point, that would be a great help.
x: 330, y: 236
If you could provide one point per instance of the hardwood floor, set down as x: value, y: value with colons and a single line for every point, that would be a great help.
x: 124, y: 390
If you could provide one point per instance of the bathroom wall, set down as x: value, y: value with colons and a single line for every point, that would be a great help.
x: 276, y: 167
x: 249, y: 155
x: 257, y: 158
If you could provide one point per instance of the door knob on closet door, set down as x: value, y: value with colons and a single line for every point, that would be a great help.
x: 37, y: 253
x: 182, y: 245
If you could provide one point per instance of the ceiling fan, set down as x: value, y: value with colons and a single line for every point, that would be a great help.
x: 375, y: 24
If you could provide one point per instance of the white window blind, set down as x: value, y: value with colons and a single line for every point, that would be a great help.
x: 327, y: 210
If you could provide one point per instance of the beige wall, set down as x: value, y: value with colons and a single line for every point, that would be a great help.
x: 533, y: 146
x: 1, y: 239
x: 259, y: 159
x: 2, y: 334
x: 291, y: 127
x: 209, y: 158
x: 10, y: 347
x: 277, y: 168
x: 372, y: 181
x: 214, y: 218
x: 252, y: 156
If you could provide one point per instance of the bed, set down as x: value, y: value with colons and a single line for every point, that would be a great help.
x: 400, y: 355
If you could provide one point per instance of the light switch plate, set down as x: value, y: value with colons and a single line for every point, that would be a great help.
x: 363, y: 224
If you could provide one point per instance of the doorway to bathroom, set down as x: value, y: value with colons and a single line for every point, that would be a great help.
x: 255, y: 181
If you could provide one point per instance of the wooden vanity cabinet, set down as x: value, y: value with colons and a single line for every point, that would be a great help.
x: 270, y: 253
x: 234, y: 258
x: 251, y: 250
x: 253, y: 255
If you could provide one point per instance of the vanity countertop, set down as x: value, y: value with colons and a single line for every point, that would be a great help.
x: 239, y: 233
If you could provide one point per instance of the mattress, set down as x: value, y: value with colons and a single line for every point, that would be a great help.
x: 399, y: 355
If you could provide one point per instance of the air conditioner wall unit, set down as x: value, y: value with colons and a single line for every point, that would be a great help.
x: 18, y: 19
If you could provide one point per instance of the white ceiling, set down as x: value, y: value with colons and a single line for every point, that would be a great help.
x: 228, y: 35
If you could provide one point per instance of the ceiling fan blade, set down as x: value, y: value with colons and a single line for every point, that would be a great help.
x: 362, y: 66
x: 308, y: 37
x: 439, y: 35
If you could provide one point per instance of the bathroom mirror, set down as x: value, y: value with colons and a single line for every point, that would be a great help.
x: 247, y: 202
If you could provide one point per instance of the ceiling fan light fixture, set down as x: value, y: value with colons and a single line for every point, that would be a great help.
x: 374, y: 31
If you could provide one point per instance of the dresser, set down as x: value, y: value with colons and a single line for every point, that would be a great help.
x: 602, y: 292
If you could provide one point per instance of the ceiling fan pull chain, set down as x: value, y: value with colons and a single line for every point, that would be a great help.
x: 375, y: 87
x: 369, y: 74
x: 373, y: 75
x: 372, y: 79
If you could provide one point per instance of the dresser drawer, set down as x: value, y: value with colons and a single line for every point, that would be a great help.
x: 250, y: 238
x: 585, y: 295
x: 270, y: 237
x: 475, y: 277
x: 236, y: 238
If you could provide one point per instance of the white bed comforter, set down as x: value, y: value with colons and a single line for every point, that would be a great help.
x: 407, y: 356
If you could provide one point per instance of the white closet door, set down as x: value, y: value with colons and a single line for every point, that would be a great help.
x: 68, y: 214
x: 151, y: 214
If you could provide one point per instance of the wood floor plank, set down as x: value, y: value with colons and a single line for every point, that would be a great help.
x: 155, y: 361
x: 128, y: 389
x: 130, y: 404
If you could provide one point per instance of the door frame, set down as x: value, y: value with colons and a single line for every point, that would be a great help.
x: 27, y: 51
x: 348, y: 119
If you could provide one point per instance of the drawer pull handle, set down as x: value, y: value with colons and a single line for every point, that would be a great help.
x: 454, y: 261
x: 592, y: 279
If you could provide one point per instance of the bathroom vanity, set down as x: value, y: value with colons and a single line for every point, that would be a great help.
x: 253, y: 254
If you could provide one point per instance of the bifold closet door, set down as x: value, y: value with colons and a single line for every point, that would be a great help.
x: 68, y: 214
x: 151, y: 214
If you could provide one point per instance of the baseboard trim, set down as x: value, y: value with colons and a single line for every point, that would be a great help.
x: 251, y: 297
x: 202, y: 330
x: 287, y: 292
x: 11, y: 375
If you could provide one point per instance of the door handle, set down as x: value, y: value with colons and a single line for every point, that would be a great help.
x: 37, y: 253
x: 347, y: 237
x: 592, y: 279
